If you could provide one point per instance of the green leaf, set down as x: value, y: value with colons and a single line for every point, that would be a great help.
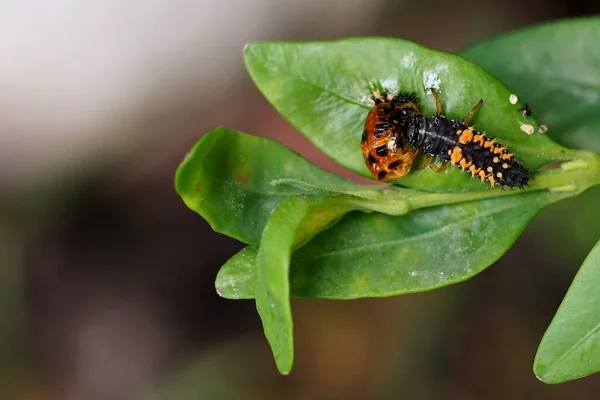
x: 555, y: 68
x: 272, y: 288
x: 378, y: 255
x: 272, y: 291
x: 236, y: 278
x: 322, y: 89
x: 263, y: 194
x: 294, y: 176
x: 234, y: 181
x: 570, y: 348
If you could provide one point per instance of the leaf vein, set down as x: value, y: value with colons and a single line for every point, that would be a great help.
x: 404, y: 239
x: 584, y: 338
x: 273, y: 67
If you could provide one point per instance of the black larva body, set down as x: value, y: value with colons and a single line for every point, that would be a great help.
x: 452, y: 141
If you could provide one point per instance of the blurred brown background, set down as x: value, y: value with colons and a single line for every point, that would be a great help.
x: 106, y: 281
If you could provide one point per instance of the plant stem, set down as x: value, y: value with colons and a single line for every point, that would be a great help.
x: 575, y: 176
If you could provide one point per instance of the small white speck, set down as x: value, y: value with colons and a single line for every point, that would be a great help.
x: 543, y: 128
x: 528, y: 129
x: 441, y: 274
x: 409, y: 60
x: 431, y: 80
x: 513, y: 99
x: 413, y: 273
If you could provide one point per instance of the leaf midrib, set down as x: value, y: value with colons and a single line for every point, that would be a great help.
x: 409, y: 239
x: 324, y: 192
x: 583, y: 339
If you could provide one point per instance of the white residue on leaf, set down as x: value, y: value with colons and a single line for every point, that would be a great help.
x: 431, y: 80
x: 408, y: 61
x: 425, y: 275
x: 367, y: 100
x: 234, y: 197
x: 391, y: 85
x: 513, y: 99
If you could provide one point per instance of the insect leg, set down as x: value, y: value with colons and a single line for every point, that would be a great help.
x: 438, y: 104
x: 442, y: 167
x: 425, y: 162
x: 470, y: 114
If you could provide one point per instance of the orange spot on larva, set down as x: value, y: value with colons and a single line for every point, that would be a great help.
x: 456, y: 155
x: 466, y: 136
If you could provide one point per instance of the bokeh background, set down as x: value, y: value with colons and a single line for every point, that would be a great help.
x: 106, y: 278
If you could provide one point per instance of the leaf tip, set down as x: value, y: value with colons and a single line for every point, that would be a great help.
x: 539, y: 370
x: 549, y: 374
x: 248, y: 49
x: 219, y: 289
x: 226, y: 288
x: 284, y: 368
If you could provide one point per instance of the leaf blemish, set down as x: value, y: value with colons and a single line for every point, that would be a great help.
x: 234, y: 196
x: 391, y: 85
x: 408, y: 61
x: 242, y: 177
x: 431, y: 80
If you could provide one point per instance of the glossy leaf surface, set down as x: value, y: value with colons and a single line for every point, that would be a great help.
x: 555, y: 68
x: 378, y: 255
x: 570, y: 348
x: 322, y: 88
